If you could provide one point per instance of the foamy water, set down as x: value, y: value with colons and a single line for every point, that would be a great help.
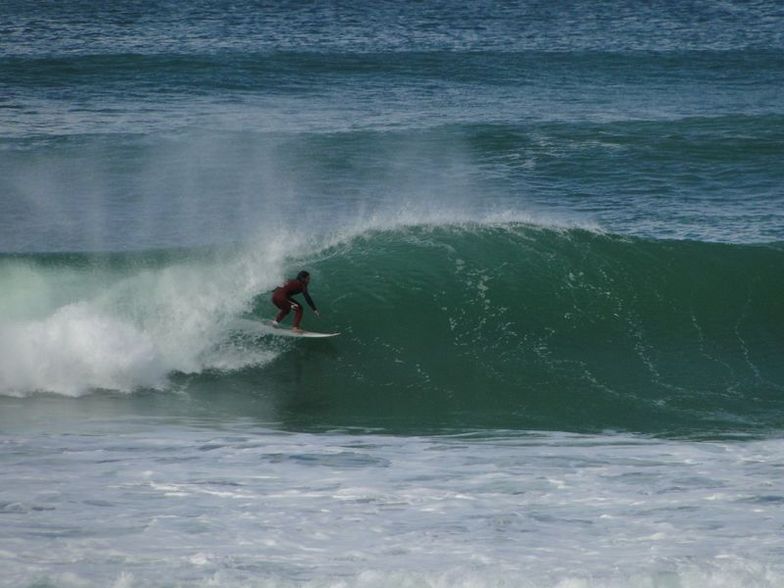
x: 124, y: 330
x: 134, y: 503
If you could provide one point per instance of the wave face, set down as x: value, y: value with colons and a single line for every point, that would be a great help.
x: 444, y: 327
x: 516, y: 326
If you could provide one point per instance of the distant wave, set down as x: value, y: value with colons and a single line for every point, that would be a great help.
x: 297, y: 70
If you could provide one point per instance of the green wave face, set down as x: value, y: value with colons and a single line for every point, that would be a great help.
x: 445, y: 327
x: 521, y: 327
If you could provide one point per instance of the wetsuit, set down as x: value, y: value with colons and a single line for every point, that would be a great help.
x: 282, y: 298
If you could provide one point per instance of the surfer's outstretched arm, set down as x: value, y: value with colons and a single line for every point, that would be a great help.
x: 310, y: 302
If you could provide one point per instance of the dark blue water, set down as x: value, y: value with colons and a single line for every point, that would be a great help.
x: 165, y: 124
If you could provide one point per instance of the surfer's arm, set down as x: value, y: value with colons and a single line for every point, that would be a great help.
x: 295, y: 303
x: 309, y: 300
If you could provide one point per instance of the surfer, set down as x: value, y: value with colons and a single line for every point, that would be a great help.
x: 282, y: 298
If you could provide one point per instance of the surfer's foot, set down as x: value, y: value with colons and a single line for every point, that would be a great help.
x: 275, y: 324
x: 297, y: 330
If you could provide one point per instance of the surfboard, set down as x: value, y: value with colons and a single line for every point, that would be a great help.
x: 266, y: 328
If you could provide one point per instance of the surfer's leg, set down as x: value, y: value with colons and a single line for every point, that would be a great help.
x: 284, y: 304
x: 281, y: 315
x: 297, y: 308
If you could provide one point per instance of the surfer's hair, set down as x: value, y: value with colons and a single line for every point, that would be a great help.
x: 302, y: 275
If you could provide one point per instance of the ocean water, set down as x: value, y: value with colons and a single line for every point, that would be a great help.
x: 551, y: 235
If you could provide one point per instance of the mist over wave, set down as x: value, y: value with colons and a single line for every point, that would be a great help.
x: 712, y: 179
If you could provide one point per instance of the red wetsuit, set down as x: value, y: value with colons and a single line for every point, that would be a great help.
x: 282, y: 298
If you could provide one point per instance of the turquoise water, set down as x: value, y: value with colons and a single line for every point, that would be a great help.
x: 551, y: 235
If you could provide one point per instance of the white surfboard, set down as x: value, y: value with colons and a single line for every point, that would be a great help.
x: 266, y: 328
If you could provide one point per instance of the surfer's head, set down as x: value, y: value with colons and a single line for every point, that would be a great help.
x: 303, y: 276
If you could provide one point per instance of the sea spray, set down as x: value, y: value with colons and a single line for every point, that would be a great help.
x: 133, y: 320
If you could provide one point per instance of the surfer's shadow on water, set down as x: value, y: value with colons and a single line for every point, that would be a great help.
x: 294, y: 376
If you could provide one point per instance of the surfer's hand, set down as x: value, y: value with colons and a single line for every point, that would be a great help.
x: 317, y: 313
